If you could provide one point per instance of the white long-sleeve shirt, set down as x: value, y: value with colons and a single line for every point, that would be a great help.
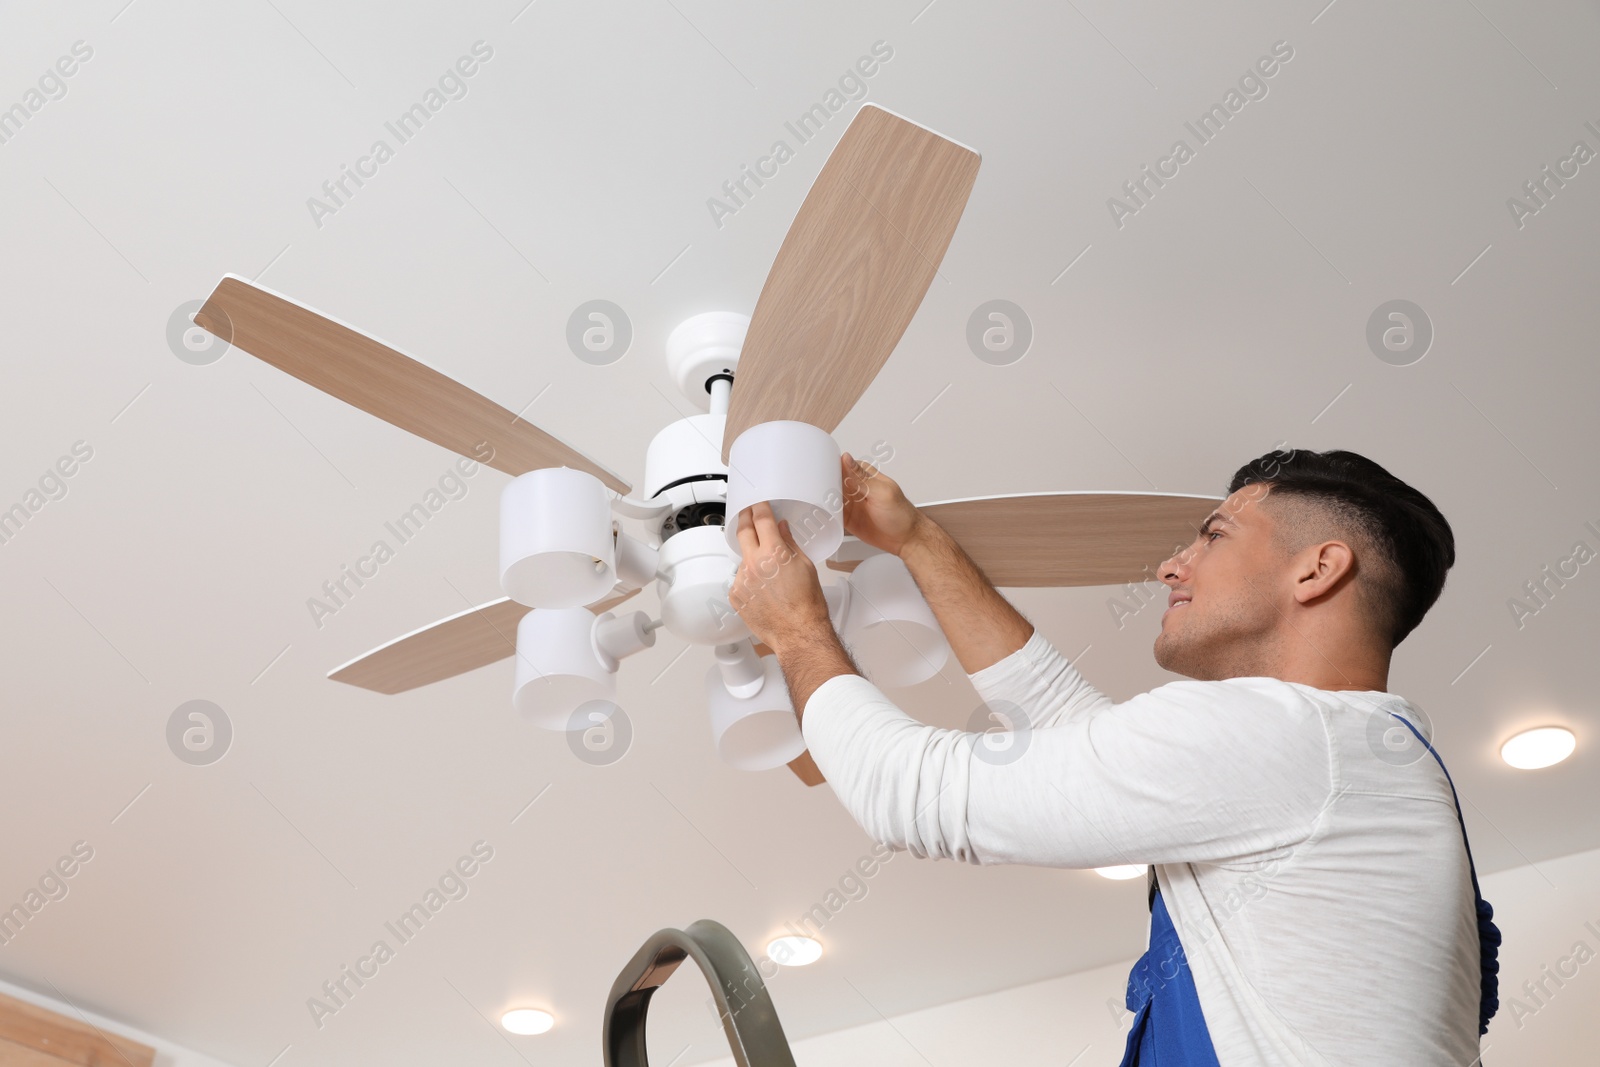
x: 1309, y: 856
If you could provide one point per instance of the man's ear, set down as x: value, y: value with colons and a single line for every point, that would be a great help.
x: 1321, y: 568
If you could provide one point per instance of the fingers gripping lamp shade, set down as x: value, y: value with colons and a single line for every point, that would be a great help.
x: 795, y: 467
x: 891, y: 625
x: 566, y: 658
x: 758, y: 732
x: 556, y: 544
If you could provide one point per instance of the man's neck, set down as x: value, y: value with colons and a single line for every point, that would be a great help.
x: 1333, y: 677
x: 1330, y: 665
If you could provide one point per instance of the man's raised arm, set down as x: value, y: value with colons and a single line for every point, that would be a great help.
x: 980, y: 624
x: 1006, y: 660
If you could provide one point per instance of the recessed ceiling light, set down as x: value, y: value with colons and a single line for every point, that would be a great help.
x: 527, y: 1021
x: 1543, y: 747
x: 794, y: 951
x: 1122, y: 872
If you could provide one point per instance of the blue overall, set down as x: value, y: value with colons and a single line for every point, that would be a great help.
x: 1169, y: 1029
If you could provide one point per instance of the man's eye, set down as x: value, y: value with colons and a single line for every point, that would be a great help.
x: 1213, y: 533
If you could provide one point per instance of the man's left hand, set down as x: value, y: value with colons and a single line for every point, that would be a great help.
x: 775, y: 590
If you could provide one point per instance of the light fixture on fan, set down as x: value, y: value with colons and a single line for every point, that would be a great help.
x: 567, y: 658
x: 758, y: 731
x: 560, y: 546
x: 847, y: 279
x: 556, y: 542
x: 889, y: 625
x: 878, y: 610
x: 793, y: 466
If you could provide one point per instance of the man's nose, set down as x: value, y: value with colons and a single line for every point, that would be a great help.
x: 1173, y: 567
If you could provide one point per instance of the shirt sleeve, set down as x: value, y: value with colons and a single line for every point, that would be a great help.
x: 1191, y: 772
x: 1040, y: 682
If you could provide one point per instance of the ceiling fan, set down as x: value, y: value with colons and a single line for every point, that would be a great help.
x: 848, y: 278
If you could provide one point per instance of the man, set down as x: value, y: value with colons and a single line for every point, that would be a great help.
x: 1313, y: 901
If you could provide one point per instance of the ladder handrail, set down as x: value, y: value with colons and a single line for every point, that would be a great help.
x: 748, y: 1017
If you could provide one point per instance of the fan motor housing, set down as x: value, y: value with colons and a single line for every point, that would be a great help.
x: 684, y: 451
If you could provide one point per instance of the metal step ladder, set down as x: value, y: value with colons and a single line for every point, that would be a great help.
x: 748, y: 1017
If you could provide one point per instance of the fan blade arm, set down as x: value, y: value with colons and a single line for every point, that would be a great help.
x: 451, y: 646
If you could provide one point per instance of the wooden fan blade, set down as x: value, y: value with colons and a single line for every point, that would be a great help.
x: 851, y: 272
x: 444, y: 649
x: 383, y: 381
x: 1061, y: 539
x: 805, y: 769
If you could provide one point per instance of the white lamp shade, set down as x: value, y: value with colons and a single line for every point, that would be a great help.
x: 556, y: 547
x: 890, y: 624
x: 558, y: 668
x: 754, y: 733
x: 795, y: 467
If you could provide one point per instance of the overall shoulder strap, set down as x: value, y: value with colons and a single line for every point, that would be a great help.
x: 1488, y: 932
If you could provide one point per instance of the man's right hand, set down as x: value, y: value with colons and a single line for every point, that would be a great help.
x: 875, y: 509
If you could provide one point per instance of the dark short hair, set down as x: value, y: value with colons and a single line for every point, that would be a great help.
x: 1412, y: 540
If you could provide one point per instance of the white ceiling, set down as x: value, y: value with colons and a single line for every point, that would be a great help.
x: 1219, y: 321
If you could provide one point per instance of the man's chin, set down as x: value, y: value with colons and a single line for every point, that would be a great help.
x: 1169, y: 656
